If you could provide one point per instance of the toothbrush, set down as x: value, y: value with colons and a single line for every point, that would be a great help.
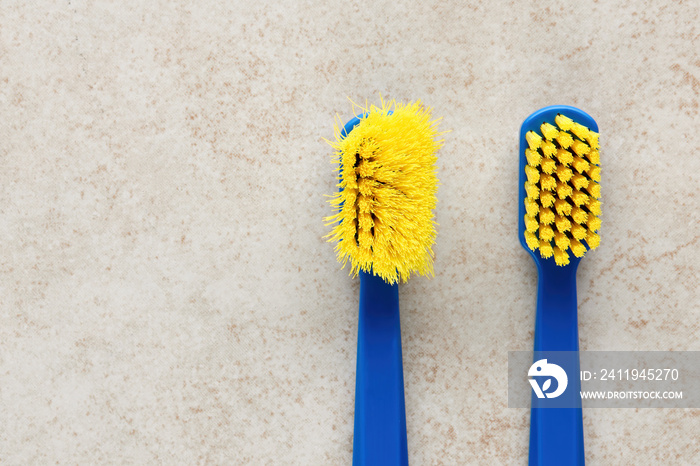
x: 559, y: 211
x: 384, y: 227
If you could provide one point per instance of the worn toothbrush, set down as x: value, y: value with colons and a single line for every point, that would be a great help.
x: 384, y: 227
x: 559, y: 213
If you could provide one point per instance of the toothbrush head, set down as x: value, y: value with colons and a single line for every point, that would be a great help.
x: 386, y: 165
x: 559, y: 184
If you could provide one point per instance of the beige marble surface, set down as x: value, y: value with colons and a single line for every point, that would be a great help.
x: 166, y: 294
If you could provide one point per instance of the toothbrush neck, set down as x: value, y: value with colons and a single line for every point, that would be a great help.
x: 556, y: 322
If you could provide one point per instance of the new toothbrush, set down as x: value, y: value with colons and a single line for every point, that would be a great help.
x: 559, y: 203
x: 384, y: 227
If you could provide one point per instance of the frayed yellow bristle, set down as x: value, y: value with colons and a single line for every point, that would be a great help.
x: 563, y: 207
x: 546, y: 233
x: 383, y: 219
x: 564, y: 156
x: 548, y: 182
x: 531, y: 223
x: 549, y: 132
x: 579, y: 215
x: 593, y: 189
x: 594, y: 207
x: 546, y: 249
x: 531, y: 240
x: 578, y: 231
x: 577, y: 248
x: 533, y: 176
x: 579, y: 181
x: 592, y: 140
x: 546, y: 216
x: 531, y: 207
x: 548, y: 166
x: 563, y: 173
x: 548, y: 148
x: 563, y: 224
x: 533, y: 140
x: 580, y: 148
x: 547, y: 199
x: 533, y: 157
x: 561, y: 240
x: 561, y: 258
x: 579, y: 198
x: 564, y: 123
x: 564, y: 139
x: 593, y: 239
x: 580, y: 165
x: 593, y: 157
x: 564, y: 190
x: 593, y: 223
x: 532, y: 190
x: 580, y: 131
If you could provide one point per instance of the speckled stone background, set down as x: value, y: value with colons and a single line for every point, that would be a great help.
x: 166, y: 294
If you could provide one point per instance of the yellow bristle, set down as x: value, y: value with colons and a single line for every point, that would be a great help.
x: 547, y: 199
x: 548, y: 182
x: 564, y: 156
x: 592, y: 139
x: 580, y: 165
x: 533, y: 140
x: 561, y: 240
x: 548, y: 148
x: 594, y: 206
x: 577, y: 248
x: 533, y: 157
x: 579, y: 181
x: 531, y: 207
x: 593, y: 223
x: 545, y: 249
x: 594, y: 172
x: 533, y: 192
x: 531, y: 223
x: 533, y: 176
x: 383, y: 220
x: 593, y: 157
x: 549, y: 131
x: 562, y: 207
x: 564, y: 174
x: 561, y: 257
x: 546, y: 216
x: 548, y: 166
x: 577, y: 231
x: 592, y: 239
x: 562, y: 223
x: 531, y: 240
x: 546, y: 233
x: 579, y: 198
x: 565, y: 139
x: 580, y: 148
x: 564, y: 190
x: 579, y: 215
x: 580, y: 131
x: 564, y: 123
x: 593, y: 189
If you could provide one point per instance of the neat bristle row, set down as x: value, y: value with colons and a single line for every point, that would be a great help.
x: 383, y: 221
x: 562, y: 203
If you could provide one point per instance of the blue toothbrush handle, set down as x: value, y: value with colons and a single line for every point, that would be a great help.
x: 380, y: 414
x: 556, y: 434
